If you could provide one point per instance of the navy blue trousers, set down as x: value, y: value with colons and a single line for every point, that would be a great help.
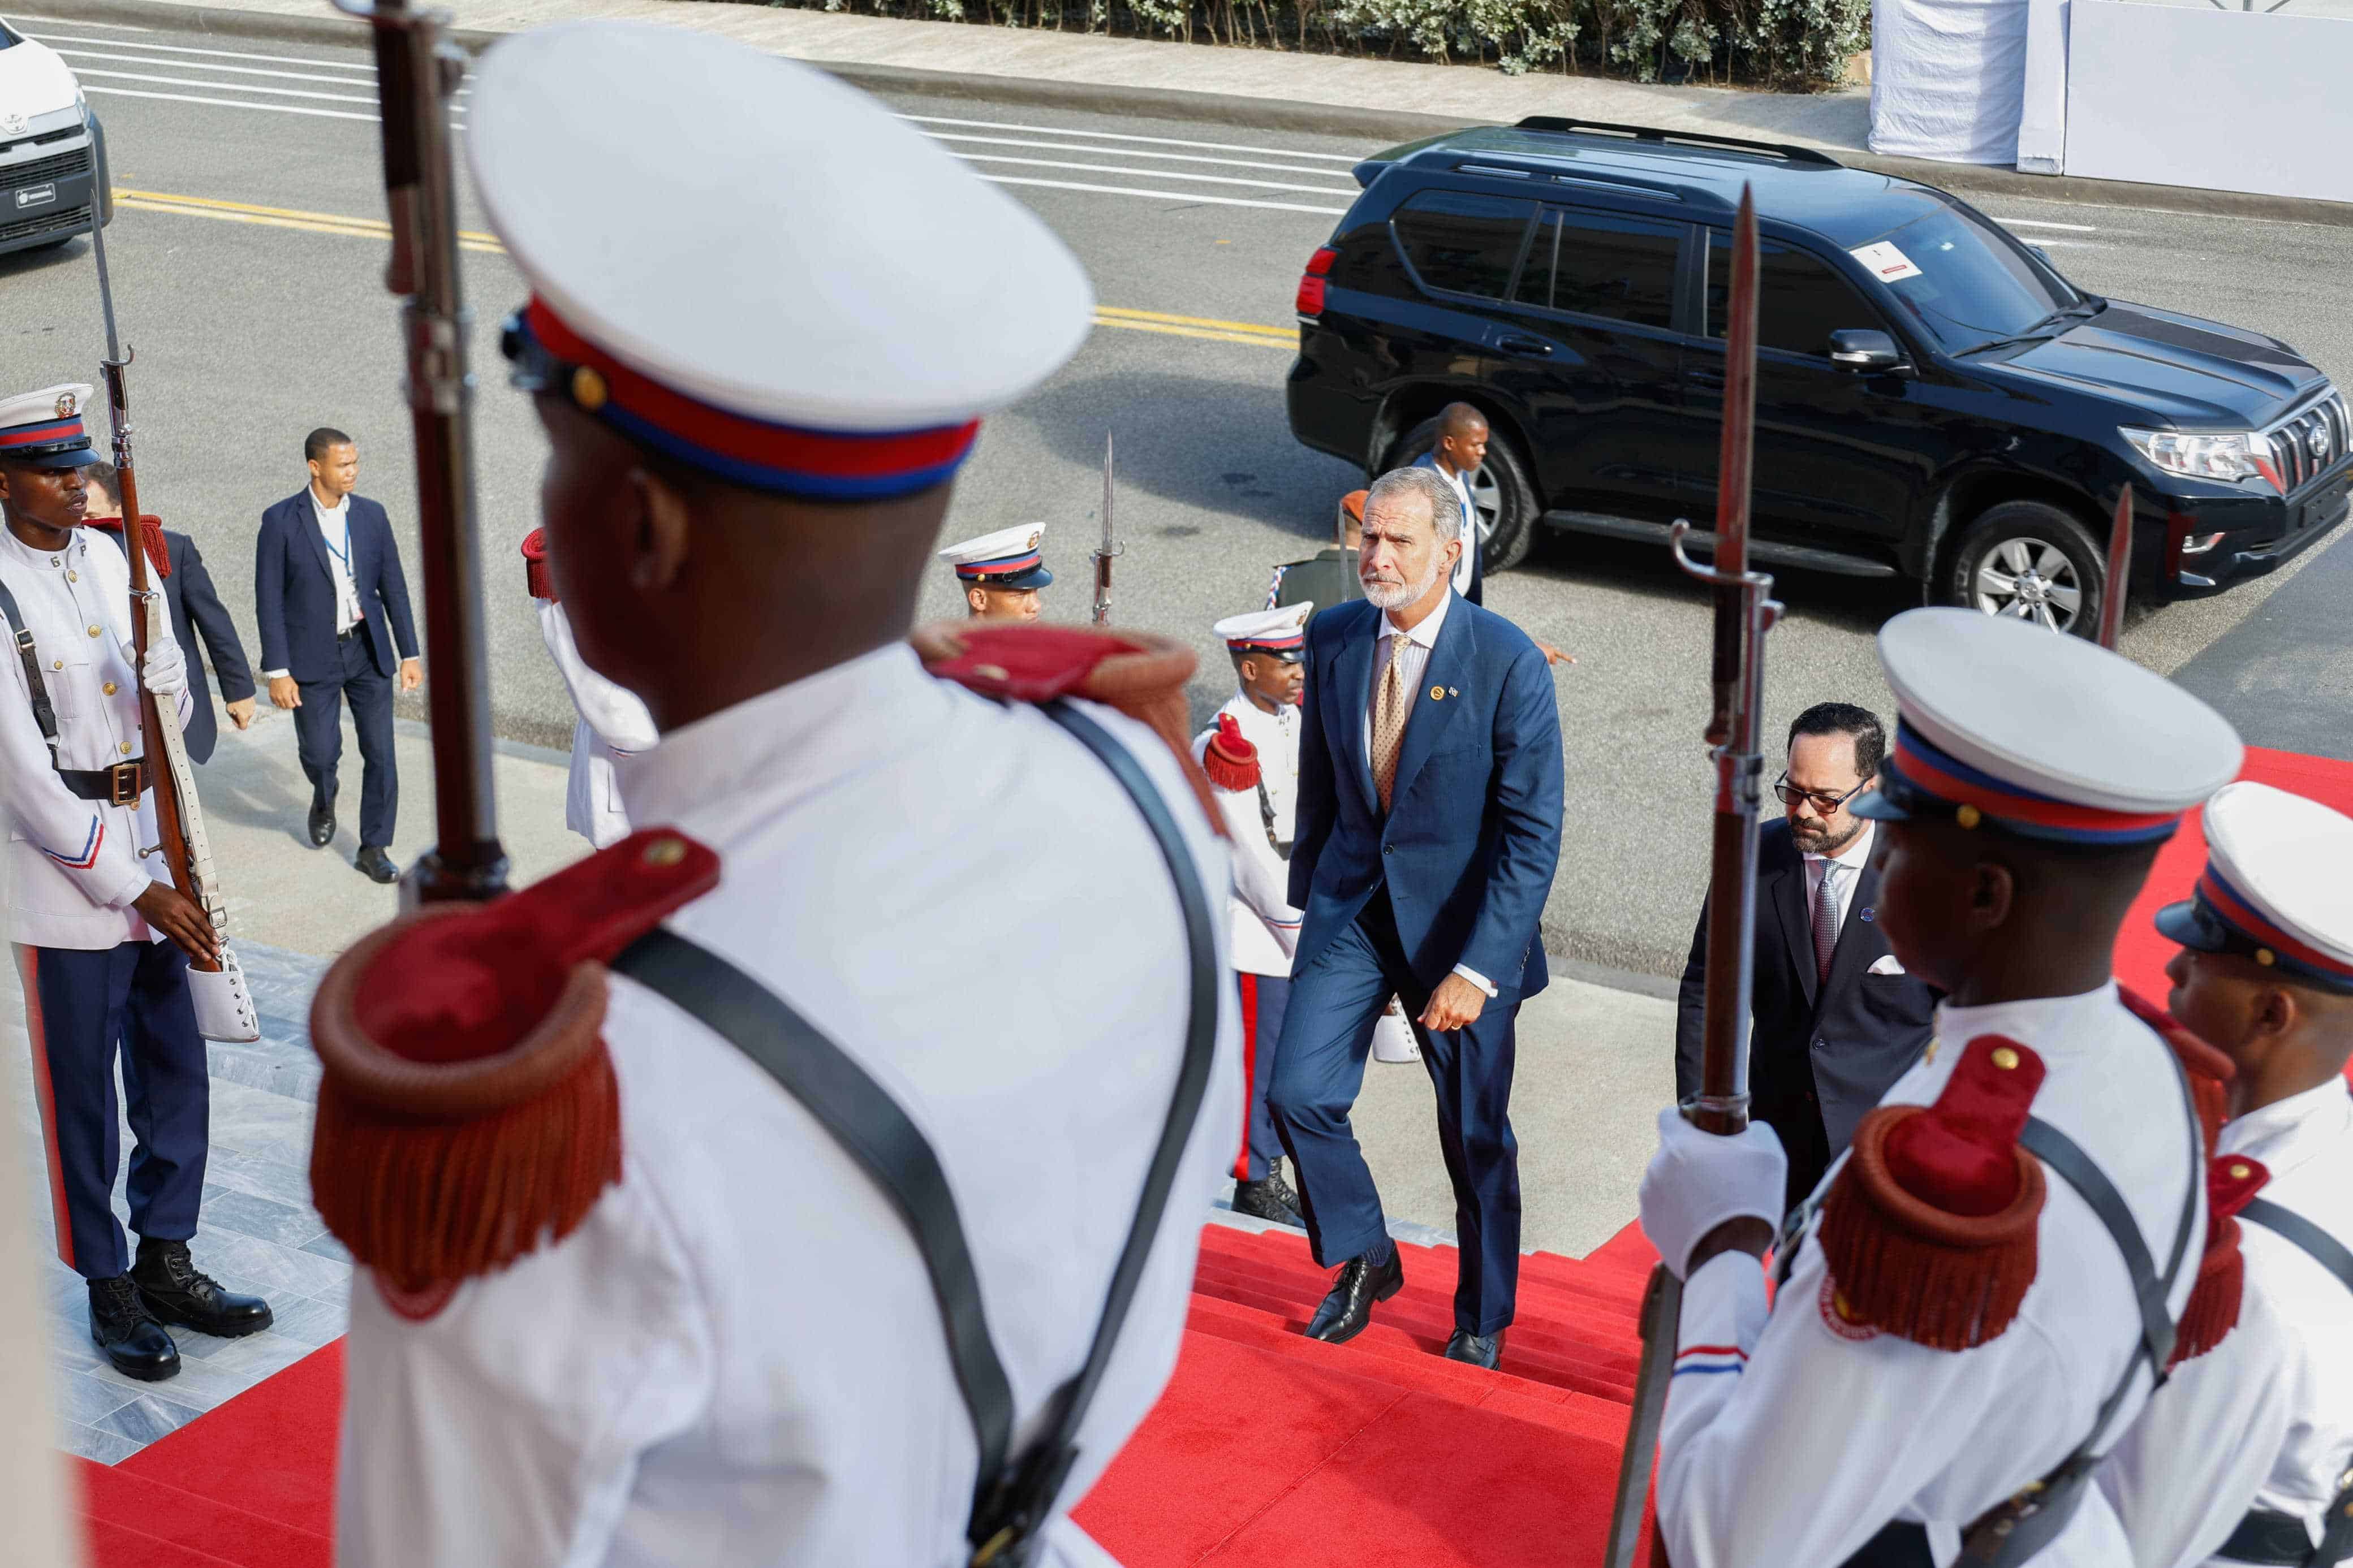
x: 1265, y: 998
x: 1319, y: 1070
x: 81, y: 1007
x: 319, y: 737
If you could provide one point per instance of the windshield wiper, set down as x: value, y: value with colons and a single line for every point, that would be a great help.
x: 2044, y: 330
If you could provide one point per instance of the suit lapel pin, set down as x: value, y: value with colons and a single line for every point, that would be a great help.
x: 1866, y: 914
x: 1452, y: 693
x: 1438, y: 693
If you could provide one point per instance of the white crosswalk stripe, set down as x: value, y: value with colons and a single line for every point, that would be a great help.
x: 1168, y: 169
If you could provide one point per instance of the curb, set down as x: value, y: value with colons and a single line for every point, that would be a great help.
x: 1273, y: 114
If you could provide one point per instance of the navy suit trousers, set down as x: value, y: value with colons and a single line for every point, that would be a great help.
x: 1319, y: 1069
x: 319, y: 737
x: 81, y: 1007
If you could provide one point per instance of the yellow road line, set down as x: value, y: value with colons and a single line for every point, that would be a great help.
x: 347, y: 227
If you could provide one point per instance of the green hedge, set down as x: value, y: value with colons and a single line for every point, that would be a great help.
x: 1802, y: 44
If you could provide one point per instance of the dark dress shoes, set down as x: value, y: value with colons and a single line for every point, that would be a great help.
x: 377, y: 864
x: 173, y: 1289
x: 1479, y: 1350
x: 1268, y: 1198
x: 1349, y: 1306
x: 323, y: 824
x: 121, y: 1326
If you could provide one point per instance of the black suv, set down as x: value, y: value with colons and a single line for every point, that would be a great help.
x: 1933, y: 398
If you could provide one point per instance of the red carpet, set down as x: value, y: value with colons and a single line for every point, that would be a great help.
x: 1267, y: 1448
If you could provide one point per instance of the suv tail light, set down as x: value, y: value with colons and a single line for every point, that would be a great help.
x: 1310, y: 299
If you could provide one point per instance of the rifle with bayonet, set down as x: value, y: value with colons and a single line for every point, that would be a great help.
x: 417, y: 71
x: 1109, y: 548
x: 1744, y: 612
x: 2111, y: 587
x: 224, y: 1007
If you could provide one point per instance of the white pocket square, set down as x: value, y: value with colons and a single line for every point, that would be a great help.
x: 1885, y: 966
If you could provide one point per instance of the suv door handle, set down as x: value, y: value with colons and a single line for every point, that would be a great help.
x: 1516, y: 345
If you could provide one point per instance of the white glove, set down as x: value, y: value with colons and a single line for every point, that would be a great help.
x: 1697, y: 1181
x: 166, y: 671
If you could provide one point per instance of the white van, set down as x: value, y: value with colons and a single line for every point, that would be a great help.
x: 49, y: 148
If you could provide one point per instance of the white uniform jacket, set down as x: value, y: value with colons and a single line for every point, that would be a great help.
x: 1265, y: 927
x: 2270, y: 1408
x: 737, y: 1359
x: 1795, y: 1437
x: 613, y: 725
x: 75, y: 866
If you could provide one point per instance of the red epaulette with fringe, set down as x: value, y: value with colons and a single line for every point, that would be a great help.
x: 535, y: 575
x: 1230, y: 759
x: 467, y: 1109
x: 1930, y: 1231
x: 1138, y: 673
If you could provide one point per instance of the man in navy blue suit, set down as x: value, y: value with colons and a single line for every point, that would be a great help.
x: 197, y: 611
x: 333, y: 607
x: 1428, y: 829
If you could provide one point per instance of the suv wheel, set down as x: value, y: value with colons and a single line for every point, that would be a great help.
x: 1504, y: 495
x: 2033, y: 561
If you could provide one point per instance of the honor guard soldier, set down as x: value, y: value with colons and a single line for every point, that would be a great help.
x: 612, y: 724
x: 1976, y: 1302
x: 698, y: 1214
x: 1328, y: 576
x: 102, y: 937
x: 1251, y: 757
x: 1001, y: 573
x: 2265, y: 975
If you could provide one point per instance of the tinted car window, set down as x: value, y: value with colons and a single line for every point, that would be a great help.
x: 1461, y: 242
x: 1801, y: 301
x: 1623, y: 268
x: 1964, y: 280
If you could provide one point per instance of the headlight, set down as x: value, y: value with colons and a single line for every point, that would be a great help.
x: 2207, y: 455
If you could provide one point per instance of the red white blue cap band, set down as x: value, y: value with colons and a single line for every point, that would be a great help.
x: 820, y: 464
x: 45, y: 429
x: 2277, y: 887
x: 1007, y: 558
x: 1282, y: 632
x: 2006, y: 725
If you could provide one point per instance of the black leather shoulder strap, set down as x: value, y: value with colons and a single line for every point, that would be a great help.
x: 2065, y: 1156
x: 43, y: 714
x: 1013, y: 1494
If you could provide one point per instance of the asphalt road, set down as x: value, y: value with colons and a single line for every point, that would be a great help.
x: 248, y: 252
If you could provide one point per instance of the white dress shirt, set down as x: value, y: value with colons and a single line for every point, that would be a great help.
x: 1419, y: 642
x: 669, y: 1382
x: 1851, y: 860
x: 2264, y: 1419
x: 335, y: 528
x: 1790, y: 1438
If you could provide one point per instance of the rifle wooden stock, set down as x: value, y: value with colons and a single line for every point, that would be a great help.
x: 2113, y: 588
x: 1744, y: 612
x: 415, y: 72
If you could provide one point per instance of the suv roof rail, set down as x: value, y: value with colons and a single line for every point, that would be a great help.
x: 1651, y: 133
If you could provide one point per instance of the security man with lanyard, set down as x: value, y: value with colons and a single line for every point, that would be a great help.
x: 698, y: 1213
x: 2265, y: 975
x: 1977, y: 1301
x: 102, y: 937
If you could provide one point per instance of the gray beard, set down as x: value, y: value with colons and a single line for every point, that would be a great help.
x: 1382, y: 597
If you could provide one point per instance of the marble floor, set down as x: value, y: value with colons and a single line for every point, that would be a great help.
x: 258, y: 1235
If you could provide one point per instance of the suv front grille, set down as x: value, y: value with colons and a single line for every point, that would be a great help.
x: 74, y: 162
x: 44, y: 138
x: 73, y: 220
x: 2312, y: 442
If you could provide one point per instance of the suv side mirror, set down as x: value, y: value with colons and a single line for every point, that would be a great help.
x: 1865, y: 352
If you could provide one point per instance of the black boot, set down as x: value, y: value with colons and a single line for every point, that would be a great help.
x: 121, y: 1326
x: 1269, y: 1197
x: 175, y: 1293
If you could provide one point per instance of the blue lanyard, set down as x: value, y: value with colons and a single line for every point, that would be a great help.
x: 344, y: 554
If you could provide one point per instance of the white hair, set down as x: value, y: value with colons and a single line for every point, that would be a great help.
x: 1445, y: 506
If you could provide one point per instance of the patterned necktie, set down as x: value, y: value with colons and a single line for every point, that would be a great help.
x: 1389, y: 719
x: 1826, y: 919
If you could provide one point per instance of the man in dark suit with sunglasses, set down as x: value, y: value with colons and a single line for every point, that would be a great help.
x: 1835, y: 1019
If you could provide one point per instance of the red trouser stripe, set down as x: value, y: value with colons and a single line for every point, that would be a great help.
x: 28, y: 971
x: 1250, y: 1066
